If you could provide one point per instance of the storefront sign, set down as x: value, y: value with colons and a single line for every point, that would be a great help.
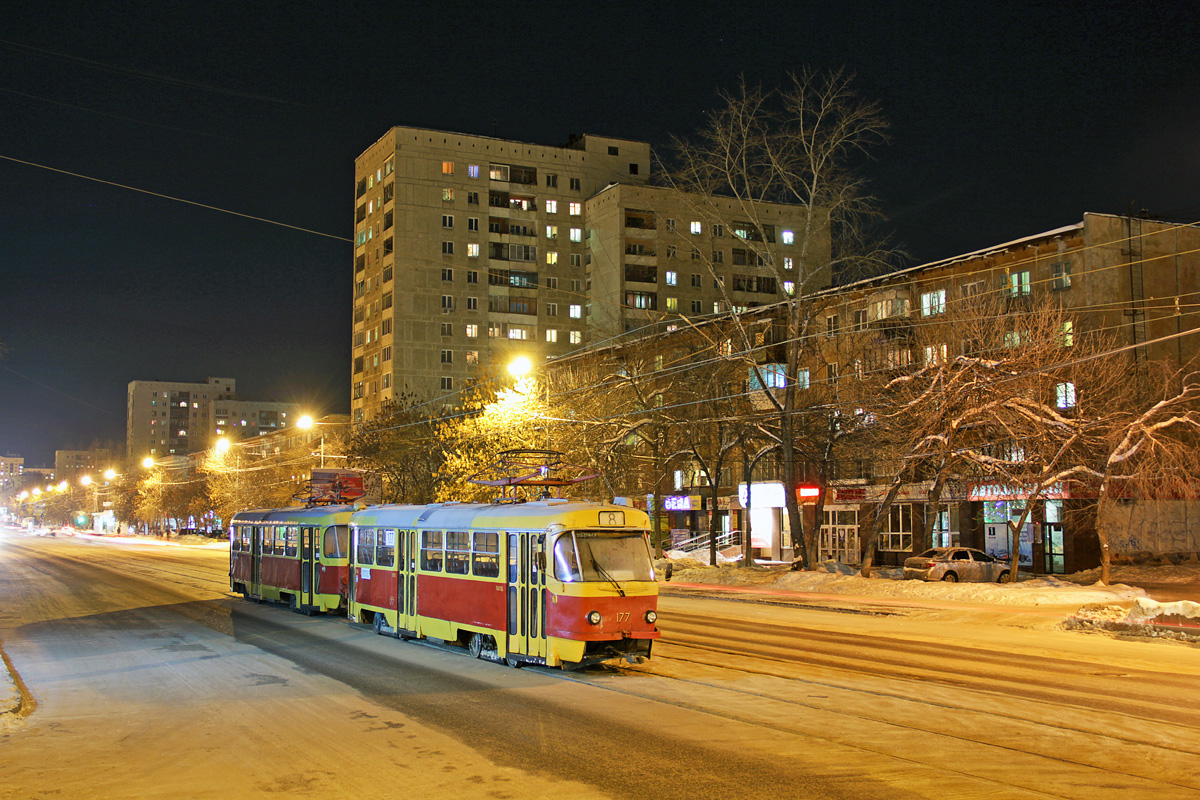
x: 771, y: 495
x: 677, y: 503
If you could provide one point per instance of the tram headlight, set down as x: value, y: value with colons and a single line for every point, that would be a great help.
x: 651, y: 616
x: 593, y: 617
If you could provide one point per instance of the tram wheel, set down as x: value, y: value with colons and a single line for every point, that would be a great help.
x: 379, y: 623
x: 475, y: 645
x: 515, y: 663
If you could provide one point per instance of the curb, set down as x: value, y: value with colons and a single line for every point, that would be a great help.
x: 23, y: 704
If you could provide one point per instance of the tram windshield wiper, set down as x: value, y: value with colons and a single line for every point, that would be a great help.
x: 603, y: 573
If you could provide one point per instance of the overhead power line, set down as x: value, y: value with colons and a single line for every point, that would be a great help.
x: 176, y: 199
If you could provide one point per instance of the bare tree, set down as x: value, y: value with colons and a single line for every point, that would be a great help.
x: 404, y: 445
x: 799, y: 145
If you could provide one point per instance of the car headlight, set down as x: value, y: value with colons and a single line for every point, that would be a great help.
x: 651, y: 616
x: 593, y: 617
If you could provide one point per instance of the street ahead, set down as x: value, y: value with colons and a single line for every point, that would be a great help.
x: 152, y: 681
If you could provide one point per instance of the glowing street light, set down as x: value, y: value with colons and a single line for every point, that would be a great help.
x: 109, y: 474
x: 222, y: 445
x: 86, y: 480
x: 520, y: 366
x: 305, y: 422
x: 147, y: 462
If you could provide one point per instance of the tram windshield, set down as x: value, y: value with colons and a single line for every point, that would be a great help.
x: 602, y: 556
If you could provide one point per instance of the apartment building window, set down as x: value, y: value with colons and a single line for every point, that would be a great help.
x: 935, y: 354
x: 697, y: 308
x: 633, y: 169
x: 386, y: 353
x: 551, y: 283
x: 472, y: 330
x: 1018, y: 284
x: 740, y: 257
x: 933, y: 303
x: 447, y: 302
x: 447, y: 356
x: 576, y: 184
x: 498, y: 172
x: 551, y: 231
x: 1066, y: 336
x: 1064, y: 395
x: 576, y: 234
x: 551, y: 335
x: 385, y: 328
x: 576, y: 260
x: 447, y: 383
x: 575, y: 209
x: 831, y: 326
x: 672, y: 278
x: 789, y: 288
x: 576, y: 337
x: 472, y: 170
x: 447, y: 167
x: 551, y: 309
x: 447, y: 248
x: 718, y: 256
x: 695, y: 254
x: 387, y: 300
x: 670, y: 224
x: 473, y: 250
x: 575, y: 311
x: 472, y: 357
x: 643, y: 300
x: 551, y: 206
x: 519, y: 332
x: 671, y: 251
x: 672, y: 304
x: 472, y: 198
x: 788, y: 263
x: 447, y: 329
x: 552, y: 181
x: 472, y: 275
x: 447, y: 273
x: 860, y: 320
x: 696, y: 227
x: 896, y: 536
x: 473, y: 223
x: 1060, y: 275
x: 576, y: 286
x: 788, y: 237
x: 696, y: 280
x: 447, y: 195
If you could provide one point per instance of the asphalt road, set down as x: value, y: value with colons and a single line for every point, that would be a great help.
x: 152, y: 681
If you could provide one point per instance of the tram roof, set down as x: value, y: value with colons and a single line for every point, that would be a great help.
x: 295, y: 513
x: 534, y: 514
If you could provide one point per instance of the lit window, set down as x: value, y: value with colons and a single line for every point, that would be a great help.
x: 1067, y: 336
x: 672, y: 278
x: 552, y: 257
x: 672, y: 304
x: 789, y: 237
x: 789, y: 288
x: 787, y: 262
x: 1065, y: 394
x: 696, y: 226
x: 447, y: 195
x: 575, y: 209
x: 447, y: 167
x: 576, y: 311
x: 576, y: 337
x: 1060, y: 275
x: 576, y: 234
x: 551, y: 335
x: 551, y: 231
x: 473, y: 250
x: 551, y: 206
x: 1018, y: 284
x: 472, y: 331
x: 933, y: 303
x: 472, y: 170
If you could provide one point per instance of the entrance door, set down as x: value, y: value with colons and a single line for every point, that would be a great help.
x: 406, y: 571
x: 526, y: 600
x: 256, y: 534
x: 307, y: 567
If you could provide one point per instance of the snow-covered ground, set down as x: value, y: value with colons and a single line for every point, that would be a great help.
x: 832, y: 577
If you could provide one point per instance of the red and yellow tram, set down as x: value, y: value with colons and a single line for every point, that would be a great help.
x: 554, y: 581
x: 298, y: 556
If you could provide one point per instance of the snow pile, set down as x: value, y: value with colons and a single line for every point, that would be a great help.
x: 841, y: 579
x: 1143, y: 573
x: 1145, y: 610
x: 681, y: 557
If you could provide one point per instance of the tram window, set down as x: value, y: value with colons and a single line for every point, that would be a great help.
x: 535, y: 547
x: 235, y: 542
x: 566, y: 563
x: 336, y: 543
x: 512, y: 558
x: 272, y: 540
x: 458, y: 552
x: 365, y: 554
x: 431, y: 551
x: 485, y: 555
x: 292, y: 541
x: 280, y: 538
x: 385, y: 548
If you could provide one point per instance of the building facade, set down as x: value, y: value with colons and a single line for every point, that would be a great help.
x: 175, y: 418
x: 71, y: 465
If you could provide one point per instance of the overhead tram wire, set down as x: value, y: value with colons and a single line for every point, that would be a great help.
x: 176, y: 199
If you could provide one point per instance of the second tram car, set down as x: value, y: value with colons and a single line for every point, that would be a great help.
x: 298, y: 556
x: 557, y: 582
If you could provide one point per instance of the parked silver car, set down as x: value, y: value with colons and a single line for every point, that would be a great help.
x: 956, y: 564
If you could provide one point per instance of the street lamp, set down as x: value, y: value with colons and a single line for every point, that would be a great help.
x: 148, y: 462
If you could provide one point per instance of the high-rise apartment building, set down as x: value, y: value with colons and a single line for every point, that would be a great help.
x: 11, y: 468
x: 471, y: 250
x: 173, y: 418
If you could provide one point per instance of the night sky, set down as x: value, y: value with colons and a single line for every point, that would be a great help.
x: 1007, y: 120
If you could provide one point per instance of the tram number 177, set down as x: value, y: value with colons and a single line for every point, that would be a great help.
x: 622, y: 616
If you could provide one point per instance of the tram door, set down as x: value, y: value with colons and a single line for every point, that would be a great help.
x: 406, y: 569
x: 525, y: 604
x: 256, y: 534
x: 307, y: 566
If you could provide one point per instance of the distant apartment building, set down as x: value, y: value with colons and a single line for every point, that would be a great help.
x: 71, y: 465
x: 173, y: 418
x: 11, y: 467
